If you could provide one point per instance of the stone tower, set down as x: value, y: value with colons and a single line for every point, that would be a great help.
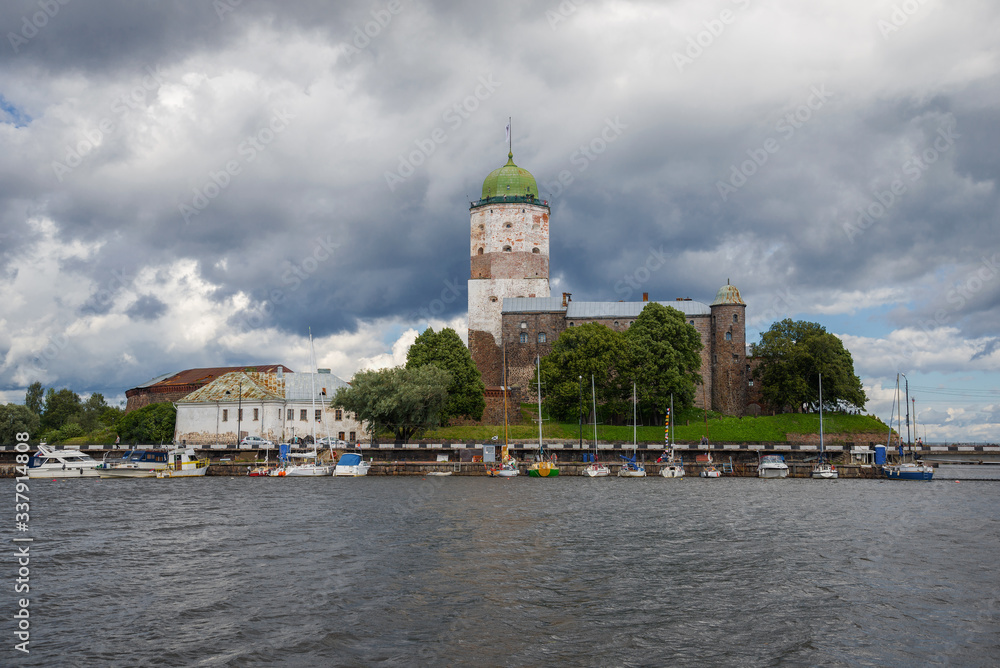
x: 509, y: 257
x: 728, y: 346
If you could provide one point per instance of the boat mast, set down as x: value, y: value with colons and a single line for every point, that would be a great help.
x: 505, y: 451
x: 593, y: 395
x: 538, y: 363
x: 312, y: 379
x: 635, y: 443
x: 821, y: 417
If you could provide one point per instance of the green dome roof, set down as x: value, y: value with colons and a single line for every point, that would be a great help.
x: 510, y: 180
x: 728, y: 294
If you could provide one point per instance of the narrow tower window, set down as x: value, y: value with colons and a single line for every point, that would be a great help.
x: 535, y: 250
x: 480, y: 252
x: 506, y: 249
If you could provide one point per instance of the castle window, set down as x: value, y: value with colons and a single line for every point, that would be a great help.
x: 522, y: 210
x: 715, y: 359
x: 481, y: 226
x: 290, y: 414
x: 524, y: 337
x: 524, y: 325
x: 353, y: 436
x: 480, y: 250
x: 729, y: 336
x: 736, y: 317
x: 506, y: 249
x: 256, y: 414
x: 535, y: 250
x: 541, y: 337
x: 691, y: 322
x: 572, y: 324
x: 319, y: 415
x: 616, y: 323
x: 302, y: 415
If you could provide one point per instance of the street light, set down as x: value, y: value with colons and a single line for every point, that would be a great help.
x: 581, y: 412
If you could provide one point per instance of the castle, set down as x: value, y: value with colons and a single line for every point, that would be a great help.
x: 510, y: 306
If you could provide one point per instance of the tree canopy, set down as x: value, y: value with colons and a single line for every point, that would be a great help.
x: 33, y: 398
x: 445, y: 350
x: 789, y: 359
x: 150, y: 424
x: 660, y: 352
x: 16, y: 419
x: 402, y: 400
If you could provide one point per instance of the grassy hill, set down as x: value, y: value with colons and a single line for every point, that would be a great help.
x: 690, y: 426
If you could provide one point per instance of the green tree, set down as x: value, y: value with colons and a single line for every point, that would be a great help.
x: 61, y: 408
x: 663, y: 358
x: 150, y: 424
x: 790, y: 357
x: 34, y: 397
x: 402, y: 400
x: 578, y: 353
x: 15, y: 419
x: 92, y: 410
x: 445, y: 350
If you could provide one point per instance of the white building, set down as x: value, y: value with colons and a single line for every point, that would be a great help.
x: 278, y: 406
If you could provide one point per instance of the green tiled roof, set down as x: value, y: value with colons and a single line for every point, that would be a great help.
x: 510, y: 180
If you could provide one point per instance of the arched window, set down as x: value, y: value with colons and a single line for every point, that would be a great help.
x: 691, y: 322
x: 616, y: 323
x: 572, y: 324
x: 535, y: 250
x: 507, y: 225
x: 493, y: 299
x: 541, y: 337
x: 481, y: 226
x: 506, y: 249
x: 736, y: 317
x: 480, y: 252
x: 524, y: 337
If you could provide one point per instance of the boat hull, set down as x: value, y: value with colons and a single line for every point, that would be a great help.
x: 129, y: 473
x: 309, y: 471
x: 597, y: 471
x: 711, y: 473
x: 631, y: 473
x: 772, y: 473
x: 824, y: 473
x: 543, y: 470
x: 924, y: 473
x: 672, y: 471
x: 184, y: 473
x: 41, y: 472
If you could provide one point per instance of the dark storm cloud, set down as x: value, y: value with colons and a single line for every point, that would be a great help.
x: 147, y: 307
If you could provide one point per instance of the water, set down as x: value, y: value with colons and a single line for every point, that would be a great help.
x: 521, y: 572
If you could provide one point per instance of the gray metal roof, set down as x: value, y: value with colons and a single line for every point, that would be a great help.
x: 532, y: 304
x: 590, y: 310
x: 299, y: 387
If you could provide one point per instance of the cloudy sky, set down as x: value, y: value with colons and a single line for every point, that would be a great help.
x: 189, y: 184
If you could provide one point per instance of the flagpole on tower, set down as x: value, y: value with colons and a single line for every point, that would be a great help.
x: 509, y: 141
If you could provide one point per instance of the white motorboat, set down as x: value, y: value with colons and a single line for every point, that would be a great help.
x: 70, y: 463
x: 711, y: 472
x: 352, y: 465
x: 183, y: 464
x: 672, y: 471
x: 772, y: 466
x: 507, y: 469
x: 823, y: 470
x: 135, y: 464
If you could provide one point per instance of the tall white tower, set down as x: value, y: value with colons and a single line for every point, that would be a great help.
x: 510, y: 258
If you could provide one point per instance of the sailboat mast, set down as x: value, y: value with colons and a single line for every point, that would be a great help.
x: 538, y: 363
x: 593, y: 396
x: 505, y: 449
x: 821, y: 416
x: 634, y: 420
x: 312, y: 380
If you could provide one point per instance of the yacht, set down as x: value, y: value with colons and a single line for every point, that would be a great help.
x: 71, y: 463
x: 772, y: 466
x: 351, y: 464
x: 135, y: 464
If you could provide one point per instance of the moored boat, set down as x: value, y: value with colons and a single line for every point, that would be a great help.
x: 823, y: 470
x: 711, y: 472
x: 183, y: 464
x: 49, y: 462
x: 671, y: 467
x: 632, y: 468
x: 595, y: 469
x: 135, y: 464
x: 544, y: 467
x: 772, y: 466
x: 351, y: 464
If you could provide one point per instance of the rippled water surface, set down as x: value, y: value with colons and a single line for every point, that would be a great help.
x: 480, y: 571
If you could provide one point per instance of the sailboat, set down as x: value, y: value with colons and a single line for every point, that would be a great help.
x: 310, y: 465
x: 671, y: 468
x: 823, y: 469
x: 508, y: 465
x: 596, y: 469
x: 904, y: 470
x: 631, y: 468
x: 544, y: 468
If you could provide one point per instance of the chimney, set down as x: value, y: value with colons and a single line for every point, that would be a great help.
x: 567, y: 297
x: 645, y: 296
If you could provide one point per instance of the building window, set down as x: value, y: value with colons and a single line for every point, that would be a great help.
x: 572, y: 324
x: 507, y: 225
x: 524, y: 337
x: 319, y: 415
x: 481, y: 226
x: 535, y: 250
x: 302, y: 415
x: 736, y: 317
x: 541, y: 337
x: 256, y: 414
x: 507, y: 249
x: 729, y: 336
x: 340, y: 435
x: 691, y: 322
x: 751, y: 382
x: 339, y: 414
x: 616, y: 323
x: 715, y: 359
x: 480, y: 250
x: 353, y: 436
x: 524, y: 325
x: 290, y: 414
x: 493, y: 299
x: 225, y: 415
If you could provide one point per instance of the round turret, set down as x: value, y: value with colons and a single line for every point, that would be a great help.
x: 728, y: 294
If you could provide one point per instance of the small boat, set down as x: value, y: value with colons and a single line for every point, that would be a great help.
x: 544, y: 468
x: 631, y: 468
x: 439, y: 473
x: 183, y: 464
x: 671, y: 467
x: 135, y: 464
x: 508, y: 465
x: 823, y: 470
x: 711, y: 472
x: 52, y: 463
x: 505, y: 470
x: 772, y: 466
x: 311, y: 467
x: 596, y: 469
x: 912, y: 470
x: 351, y: 464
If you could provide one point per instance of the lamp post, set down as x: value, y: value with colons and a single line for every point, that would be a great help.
x: 239, y: 414
x: 581, y: 412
